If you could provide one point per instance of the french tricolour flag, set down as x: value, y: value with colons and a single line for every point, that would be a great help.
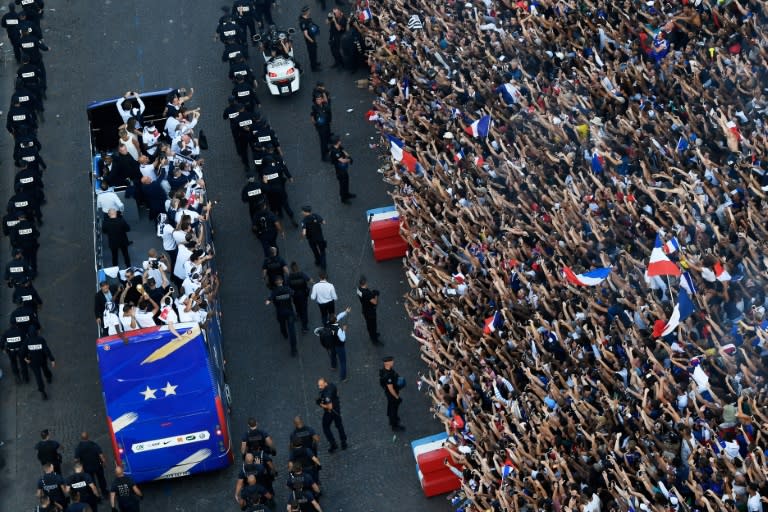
x: 683, y: 309
x: 364, y: 15
x: 478, y: 161
x: 401, y: 155
x: 493, y: 323
x: 671, y: 247
x: 458, y: 156
x: 592, y: 278
x: 480, y: 127
x: 660, y: 265
x: 717, y: 273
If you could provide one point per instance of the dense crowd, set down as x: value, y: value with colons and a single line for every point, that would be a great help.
x: 583, y: 185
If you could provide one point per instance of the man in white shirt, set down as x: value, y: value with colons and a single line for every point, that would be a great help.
x: 154, y: 266
x: 107, y: 199
x: 755, y: 501
x: 324, y: 294
x: 133, y: 108
x: 178, y: 122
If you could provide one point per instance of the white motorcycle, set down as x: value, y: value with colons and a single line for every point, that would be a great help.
x: 281, y: 74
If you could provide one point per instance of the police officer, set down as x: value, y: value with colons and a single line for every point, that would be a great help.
x: 29, y: 80
x: 48, y: 451
x: 263, y: 12
x: 76, y: 505
x: 17, y: 269
x: 341, y: 162
x: 253, y: 497
x: 329, y: 401
x: 390, y: 383
x: 337, y: 25
x: 369, y: 301
x: 304, y: 435
x: 26, y: 203
x: 241, y: 123
x: 273, y: 267
x: 310, y: 30
x: 52, y: 485
x: 274, y: 175
x: 228, y: 30
x: 36, y: 353
x: 32, y: 45
x: 124, y: 492
x: 261, y: 467
x: 26, y: 155
x: 282, y: 298
x: 242, y: 13
x: 299, y: 282
x: 253, y: 195
x: 12, y: 342
x: 266, y: 228
x: 321, y: 118
x: 245, y: 94
x: 81, y: 483
x: 25, y: 294
x: 263, y: 136
x: 239, y: 67
x: 303, y: 468
x: 91, y: 456
x: 303, y: 501
x: 255, y: 440
x: 25, y: 317
x: 24, y: 237
x: 312, y: 231
x: 21, y: 121
x: 10, y: 22
x: 234, y: 48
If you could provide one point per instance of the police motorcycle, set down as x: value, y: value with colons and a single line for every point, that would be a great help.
x: 281, y: 73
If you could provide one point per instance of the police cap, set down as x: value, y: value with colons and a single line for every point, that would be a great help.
x: 305, y: 9
x: 388, y: 359
x: 306, y: 208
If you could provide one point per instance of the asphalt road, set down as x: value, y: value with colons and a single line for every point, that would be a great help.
x: 101, y: 49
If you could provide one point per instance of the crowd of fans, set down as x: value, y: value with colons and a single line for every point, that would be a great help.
x: 611, y: 124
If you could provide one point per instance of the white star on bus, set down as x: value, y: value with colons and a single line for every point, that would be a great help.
x: 148, y: 393
x: 169, y: 390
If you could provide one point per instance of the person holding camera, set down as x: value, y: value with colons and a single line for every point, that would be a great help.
x: 337, y: 26
x: 341, y: 162
x: 369, y: 300
x: 329, y: 401
x: 391, y: 383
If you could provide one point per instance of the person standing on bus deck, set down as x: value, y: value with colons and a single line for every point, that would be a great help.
x: 310, y: 30
x: 255, y: 439
x: 124, y: 493
x: 116, y: 229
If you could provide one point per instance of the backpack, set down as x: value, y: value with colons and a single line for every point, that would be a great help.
x: 328, y: 336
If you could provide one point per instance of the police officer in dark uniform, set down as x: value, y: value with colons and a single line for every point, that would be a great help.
x: 341, y: 162
x: 255, y: 440
x: 228, y: 30
x: 274, y: 175
x: 10, y: 22
x: 124, y: 492
x: 262, y: 135
x: 32, y: 45
x: 304, y: 435
x: 282, y: 298
x: 12, y: 342
x: 369, y: 301
x: 260, y: 465
x: 36, y: 353
x: 253, y: 497
x: 52, y: 485
x: 25, y: 317
x: 17, y: 269
x: 245, y: 94
x: 321, y: 117
x: 233, y: 49
x: 266, y: 228
x: 242, y: 128
x: 303, y: 469
x: 26, y: 203
x: 310, y: 31
x: 24, y: 236
x: 299, y: 282
x: 263, y: 12
x: 273, y: 267
x: 303, y: 501
x: 242, y: 13
x: 48, y: 451
x: 337, y: 25
x: 389, y: 381
x: 238, y: 67
x: 27, y: 96
x: 329, y: 401
x: 91, y: 456
x: 81, y: 483
x: 26, y: 153
x: 25, y: 294
x: 312, y: 231
x: 253, y: 195
x: 21, y: 121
